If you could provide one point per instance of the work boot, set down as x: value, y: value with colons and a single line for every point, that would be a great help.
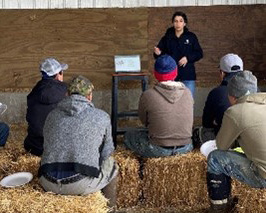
x: 109, y: 192
x: 229, y: 207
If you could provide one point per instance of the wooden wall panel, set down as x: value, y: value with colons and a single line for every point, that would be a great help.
x: 220, y: 30
x: 86, y: 39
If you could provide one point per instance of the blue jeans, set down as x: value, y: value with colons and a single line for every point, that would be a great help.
x: 4, y: 132
x: 235, y: 165
x: 191, y: 85
x: 138, y: 142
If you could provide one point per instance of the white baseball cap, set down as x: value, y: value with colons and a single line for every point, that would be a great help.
x: 51, y: 66
x: 231, y: 63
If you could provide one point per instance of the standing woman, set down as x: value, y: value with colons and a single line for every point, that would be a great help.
x: 184, y: 47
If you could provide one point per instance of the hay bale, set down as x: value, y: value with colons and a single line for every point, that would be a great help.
x: 29, y: 200
x: 5, y: 159
x: 25, y: 163
x: 177, y: 181
x: 14, y: 145
x: 250, y: 199
x: 129, y: 182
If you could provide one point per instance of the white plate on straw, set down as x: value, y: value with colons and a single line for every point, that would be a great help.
x: 16, y: 179
x: 208, y: 147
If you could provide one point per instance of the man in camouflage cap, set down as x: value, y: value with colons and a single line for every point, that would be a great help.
x: 78, y: 146
x: 80, y: 85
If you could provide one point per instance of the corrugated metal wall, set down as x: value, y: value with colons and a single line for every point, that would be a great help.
x: 61, y: 4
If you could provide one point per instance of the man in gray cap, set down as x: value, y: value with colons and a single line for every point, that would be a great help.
x: 217, y: 101
x: 42, y: 99
x: 78, y: 146
x: 245, y: 121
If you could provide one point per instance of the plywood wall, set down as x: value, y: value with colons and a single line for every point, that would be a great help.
x: 87, y: 39
x: 220, y: 30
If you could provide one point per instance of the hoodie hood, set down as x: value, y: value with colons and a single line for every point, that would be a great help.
x: 172, y: 91
x: 49, y: 91
x: 74, y: 104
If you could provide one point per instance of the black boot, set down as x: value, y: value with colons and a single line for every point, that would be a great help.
x: 219, y: 189
x: 228, y: 207
x: 109, y: 192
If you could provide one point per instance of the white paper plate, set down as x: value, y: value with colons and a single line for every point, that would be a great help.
x: 16, y: 179
x: 208, y: 147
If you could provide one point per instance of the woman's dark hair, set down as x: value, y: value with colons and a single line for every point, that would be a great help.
x: 179, y: 13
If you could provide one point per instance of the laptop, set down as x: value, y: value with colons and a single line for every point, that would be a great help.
x: 127, y: 63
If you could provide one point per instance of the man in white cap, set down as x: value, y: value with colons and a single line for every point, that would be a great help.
x: 217, y: 101
x: 43, y: 98
x: 245, y: 121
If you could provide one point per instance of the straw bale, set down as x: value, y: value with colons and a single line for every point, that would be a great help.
x: 25, y: 163
x: 14, y: 145
x: 129, y: 182
x: 250, y: 199
x: 18, y: 132
x: 28, y: 200
x: 5, y: 158
x: 176, y: 181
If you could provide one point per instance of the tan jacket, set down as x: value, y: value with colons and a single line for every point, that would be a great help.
x: 167, y: 111
x: 246, y: 122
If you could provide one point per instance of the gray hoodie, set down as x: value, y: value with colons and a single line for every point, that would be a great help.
x: 167, y: 111
x: 77, y: 138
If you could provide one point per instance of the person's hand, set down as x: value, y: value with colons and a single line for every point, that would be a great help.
x: 183, y: 61
x: 157, y: 51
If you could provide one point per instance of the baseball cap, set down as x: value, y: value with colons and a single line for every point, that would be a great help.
x: 51, y: 66
x: 80, y: 85
x: 231, y: 63
x: 243, y: 83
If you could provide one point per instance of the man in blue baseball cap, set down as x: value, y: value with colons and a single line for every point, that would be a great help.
x: 167, y: 111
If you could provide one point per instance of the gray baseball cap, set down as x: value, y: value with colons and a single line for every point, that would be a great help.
x: 51, y: 66
x: 241, y: 84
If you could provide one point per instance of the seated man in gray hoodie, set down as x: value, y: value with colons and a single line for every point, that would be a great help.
x: 167, y: 111
x: 78, y: 145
